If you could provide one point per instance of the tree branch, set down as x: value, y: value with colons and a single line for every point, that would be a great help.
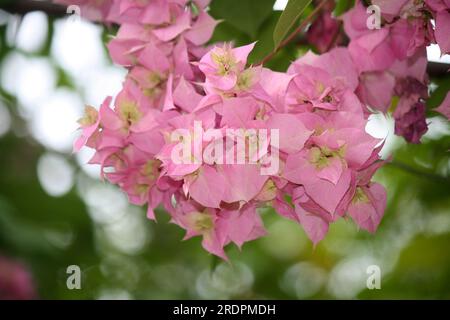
x: 438, y: 69
x: 425, y: 175
x: 23, y: 7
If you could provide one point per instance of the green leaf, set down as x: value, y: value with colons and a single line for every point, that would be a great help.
x: 439, y: 93
x: 342, y: 6
x: 225, y: 32
x: 288, y: 18
x: 244, y: 15
x: 264, y: 46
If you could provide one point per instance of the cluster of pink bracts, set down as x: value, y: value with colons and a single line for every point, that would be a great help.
x: 319, y: 108
x: 392, y: 61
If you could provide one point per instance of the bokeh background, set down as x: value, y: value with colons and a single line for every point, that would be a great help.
x: 55, y: 212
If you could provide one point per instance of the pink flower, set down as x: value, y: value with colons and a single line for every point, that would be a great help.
x: 376, y: 89
x: 444, y: 108
x: 324, y: 31
x: 367, y: 206
x: 222, y: 66
x: 378, y: 49
x: 202, y: 29
x: 241, y: 225
x: 314, y: 219
x: 438, y: 5
x: 242, y: 182
x: 217, y: 227
x: 90, y: 123
x: 132, y: 11
x: 410, y: 121
x: 199, y: 221
x: 96, y: 10
x: 403, y: 8
x: 368, y: 200
x: 16, y: 282
x: 442, y: 30
x: 337, y: 63
x: 293, y: 133
x: 329, y: 159
x: 392, y: 60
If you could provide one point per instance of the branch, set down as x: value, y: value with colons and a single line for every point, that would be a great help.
x: 23, y: 7
x: 438, y: 69
x: 426, y: 175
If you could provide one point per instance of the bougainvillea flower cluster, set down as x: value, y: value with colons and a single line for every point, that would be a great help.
x: 321, y: 157
x: 392, y: 60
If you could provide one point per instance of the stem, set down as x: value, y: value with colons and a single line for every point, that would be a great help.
x: 438, y: 69
x: 215, y: 260
x: 419, y: 173
x: 294, y: 33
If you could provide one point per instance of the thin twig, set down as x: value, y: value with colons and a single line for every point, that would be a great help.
x: 294, y: 34
x: 438, y: 69
x: 419, y: 173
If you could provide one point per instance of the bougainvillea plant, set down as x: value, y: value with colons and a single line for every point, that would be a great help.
x: 293, y: 140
